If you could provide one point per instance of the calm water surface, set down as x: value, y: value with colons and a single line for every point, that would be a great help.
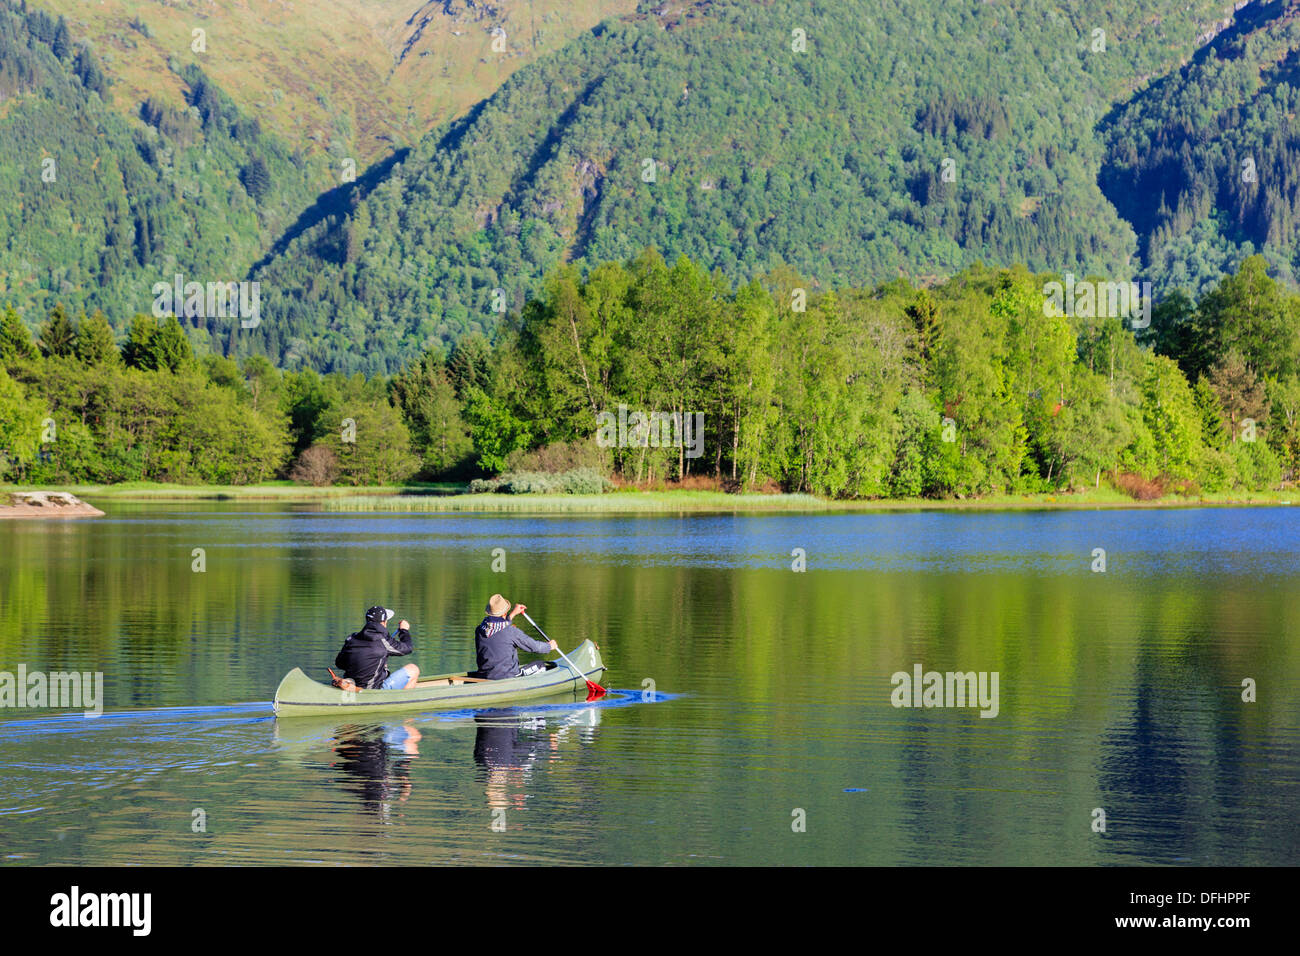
x: 747, y: 696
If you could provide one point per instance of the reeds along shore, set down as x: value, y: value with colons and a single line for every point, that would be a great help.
x: 445, y: 498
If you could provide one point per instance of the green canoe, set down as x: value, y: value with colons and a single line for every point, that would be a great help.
x: 300, y: 696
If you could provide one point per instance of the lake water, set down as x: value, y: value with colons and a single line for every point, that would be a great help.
x: 750, y: 721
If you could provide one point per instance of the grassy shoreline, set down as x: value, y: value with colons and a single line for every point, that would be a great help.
x: 445, y: 497
x: 269, y: 491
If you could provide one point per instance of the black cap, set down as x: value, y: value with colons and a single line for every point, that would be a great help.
x: 380, y: 615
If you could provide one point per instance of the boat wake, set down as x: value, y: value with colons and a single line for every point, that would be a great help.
x: 170, y: 724
x: 49, y: 758
x: 116, y: 723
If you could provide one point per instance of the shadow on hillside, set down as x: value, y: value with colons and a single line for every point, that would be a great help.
x: 339, y: 200
x: 333, y: 202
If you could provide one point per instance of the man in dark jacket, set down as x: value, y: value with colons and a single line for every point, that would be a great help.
x: 364, y: 658
x: 498, y: 642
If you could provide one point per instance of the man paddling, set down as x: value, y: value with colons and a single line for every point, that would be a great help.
x: 498, y: 642
x: 364, y: 658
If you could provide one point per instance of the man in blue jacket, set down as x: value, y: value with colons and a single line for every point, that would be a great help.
x: 364, y: 658
x: 498, y: 642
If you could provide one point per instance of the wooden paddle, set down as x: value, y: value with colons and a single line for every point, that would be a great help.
x: 594, y: 690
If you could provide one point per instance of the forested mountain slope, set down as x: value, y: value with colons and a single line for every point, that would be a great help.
x: 855, y: 141
x: 130, y: 152
x: 354, y: 78
x: 1205, y: 163
x: 742, y: 134
x: 99, y: 206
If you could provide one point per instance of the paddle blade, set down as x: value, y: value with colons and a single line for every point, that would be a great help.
x: 595, y: 691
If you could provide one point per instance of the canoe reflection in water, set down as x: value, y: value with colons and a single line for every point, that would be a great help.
x: 375, y: 762
x: 507, y: 746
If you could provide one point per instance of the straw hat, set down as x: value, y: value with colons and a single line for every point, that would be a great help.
x: 498, y: 606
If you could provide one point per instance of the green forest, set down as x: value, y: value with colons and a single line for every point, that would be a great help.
x: 771, y: 218
x: 971, y: 387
